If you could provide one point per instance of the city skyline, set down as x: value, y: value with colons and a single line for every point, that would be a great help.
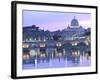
x: 54, y: 21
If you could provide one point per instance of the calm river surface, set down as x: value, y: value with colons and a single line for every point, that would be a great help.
x: 82, y: 60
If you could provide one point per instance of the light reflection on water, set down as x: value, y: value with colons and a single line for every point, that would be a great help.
x: 70, y: 59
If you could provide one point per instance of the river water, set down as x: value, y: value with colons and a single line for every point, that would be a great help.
x: 70, y: 60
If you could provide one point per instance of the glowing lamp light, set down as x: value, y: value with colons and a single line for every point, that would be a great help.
x: 58, y: 44
x: 25, y: 45
x: 42, y: 45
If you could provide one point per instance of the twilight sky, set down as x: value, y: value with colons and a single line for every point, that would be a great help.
x: 54, y: 20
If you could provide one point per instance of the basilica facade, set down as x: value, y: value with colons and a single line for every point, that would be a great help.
x: 72, y: 30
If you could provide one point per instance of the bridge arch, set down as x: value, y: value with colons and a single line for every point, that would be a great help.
x: 67, y: 46
x: 82, y: 45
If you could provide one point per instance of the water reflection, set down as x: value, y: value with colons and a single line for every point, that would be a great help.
x: 55, y: 57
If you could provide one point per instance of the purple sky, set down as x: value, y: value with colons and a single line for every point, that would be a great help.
x: 54, y: 20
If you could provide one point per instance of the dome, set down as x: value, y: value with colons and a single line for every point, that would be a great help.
x: 74, y: 22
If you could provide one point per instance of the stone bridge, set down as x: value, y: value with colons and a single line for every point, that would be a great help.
x: 51, y: 43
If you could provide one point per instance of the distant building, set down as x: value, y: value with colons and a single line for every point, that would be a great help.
x: 72, y: 30
x: 33, y: 33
